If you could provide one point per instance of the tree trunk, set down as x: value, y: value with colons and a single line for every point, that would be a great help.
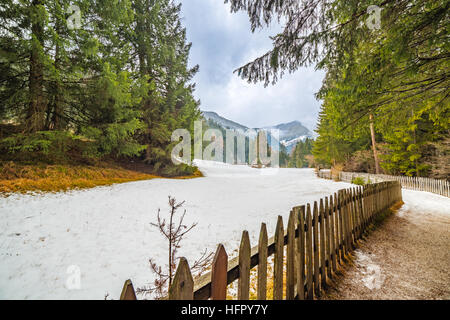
x: 141, y: 36
x: 57, y: 110
x: 416, y: 162
x: 374, y: 146
x: 36, y: 114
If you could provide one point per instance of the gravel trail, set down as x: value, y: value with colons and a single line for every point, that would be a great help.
x: 406, y: 257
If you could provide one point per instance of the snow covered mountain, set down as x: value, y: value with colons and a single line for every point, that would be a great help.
x: 290, y: 133
x: 223, y: 122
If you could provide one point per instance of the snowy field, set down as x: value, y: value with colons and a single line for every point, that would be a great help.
x: 106, y: 231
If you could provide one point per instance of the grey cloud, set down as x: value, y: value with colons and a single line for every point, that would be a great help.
x: 221, y: 42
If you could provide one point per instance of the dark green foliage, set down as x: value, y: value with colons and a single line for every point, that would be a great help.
x: 298, y: 157
x: 119, y: 81
x: 359, y: 181
x: 398, y: 74
x: 46, y: 147
x: 284, y: 157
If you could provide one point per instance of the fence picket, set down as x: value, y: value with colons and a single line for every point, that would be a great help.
x: 327, y: 238
x: 278, y: 261
x: 262, y: 263
x: 341, y: 226
x: 309, y: 253
x: 316, y: 249
x: 301, y: 253
x: 244, y: 268
x: 344, y: 221
x: 354, y: 217
x: 290, y: 259
x: 348, y: 228
x: 128, y: 292
x: 182, y: 287
x: 333, y: 231
x: 360, y: 212
x: 219, y: 274
x: 322, y: 245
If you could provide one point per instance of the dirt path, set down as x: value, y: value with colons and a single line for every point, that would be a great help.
x: 407, y: 257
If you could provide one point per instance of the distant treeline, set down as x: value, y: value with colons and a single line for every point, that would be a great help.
x: 250, y: 142
x: 301, y: 156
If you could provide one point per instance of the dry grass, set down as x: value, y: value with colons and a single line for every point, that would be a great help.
x: 54, y: 178
x: 232, y: 288
x: 336, y: 170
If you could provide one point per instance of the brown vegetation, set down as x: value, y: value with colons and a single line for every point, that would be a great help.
x: 23, y: 178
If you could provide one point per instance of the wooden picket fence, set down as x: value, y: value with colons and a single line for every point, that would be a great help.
x: 440, y: 187
x: 325, y: 174
x: 318, y: 239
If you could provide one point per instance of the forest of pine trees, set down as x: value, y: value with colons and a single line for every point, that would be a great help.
x: 301, y: 156
x: 110, y: 83
x: 82, y: 81
x: 387, y: 88
x: 249, y: 142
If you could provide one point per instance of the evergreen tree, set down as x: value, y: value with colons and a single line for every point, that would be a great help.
x: 117, y: 84
x: 388, y: 74
x: 162, y: 52
x: 299, y: 155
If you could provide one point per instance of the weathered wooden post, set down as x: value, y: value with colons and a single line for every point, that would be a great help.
x: 262, y: 263
x: 345, y: 222
x: 278, y: 261
x: 182, y: 287
x: 219, y: 274
x: 328, y: 237
x: 340, y: 222
x: 128, y: 292
x: 322, y: 245
x: 290, y: 259
x: 333, y: 224
x: 316, y: 249
x: 301, y: 253
x: 244, y: 268
x: 309, y: 253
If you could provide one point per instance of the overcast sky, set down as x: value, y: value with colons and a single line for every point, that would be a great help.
x: 222, y: 42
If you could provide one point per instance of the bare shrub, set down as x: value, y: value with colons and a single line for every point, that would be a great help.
x: 174, y: 232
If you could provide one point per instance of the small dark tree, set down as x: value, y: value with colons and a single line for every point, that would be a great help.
x: 174, y: 232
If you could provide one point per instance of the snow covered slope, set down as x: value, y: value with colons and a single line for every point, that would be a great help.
x: 292, y: 130
x: 223, y: 122
x: 290, y: 144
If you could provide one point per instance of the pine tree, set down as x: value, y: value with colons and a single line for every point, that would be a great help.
x: 75, y: 79
x: 392, y: 73
x: 162, y: 66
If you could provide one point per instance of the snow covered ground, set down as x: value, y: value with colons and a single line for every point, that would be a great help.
x: 105, y: 232
x: 429, y: 204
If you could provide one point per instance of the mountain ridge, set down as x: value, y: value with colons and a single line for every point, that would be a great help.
x: 290, y: 132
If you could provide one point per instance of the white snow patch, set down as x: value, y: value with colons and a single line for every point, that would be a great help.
x: 372, y: 275
x: 426, y: 202
x: 288, y: 143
